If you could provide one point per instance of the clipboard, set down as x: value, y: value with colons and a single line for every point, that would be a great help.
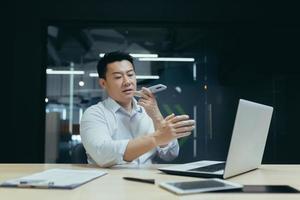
x: 55, y: 179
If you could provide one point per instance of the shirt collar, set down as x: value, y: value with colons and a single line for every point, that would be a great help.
x: 135, y: 106
x: 114, y: 106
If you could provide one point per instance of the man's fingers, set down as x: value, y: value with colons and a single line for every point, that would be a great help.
x: 138, y: 93
x: 179, y: 118
x: 184, y: 129
x: 144, y: 104
x: 144, y: 101
x: 170, y: 116
x: 183, y: 134
x: 144, y: 96
x: 184, y: 123
x: 144, y: 93
x: 147, y: 92
x: 141, y: 103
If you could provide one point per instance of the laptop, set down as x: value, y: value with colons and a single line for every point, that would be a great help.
x: 246, y: 148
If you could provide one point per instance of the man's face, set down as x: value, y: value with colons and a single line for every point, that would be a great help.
x: 120, y: 82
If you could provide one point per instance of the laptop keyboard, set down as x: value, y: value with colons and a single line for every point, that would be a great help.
x: 210, y: 168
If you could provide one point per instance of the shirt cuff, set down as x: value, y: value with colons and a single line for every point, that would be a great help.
x: 122, y: 144
x: 166, y: 148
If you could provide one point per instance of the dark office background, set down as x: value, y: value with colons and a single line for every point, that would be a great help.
x: 260, y: 63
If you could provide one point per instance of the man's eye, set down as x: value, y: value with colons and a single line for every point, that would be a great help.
x: 130, y: 74
x: 117, y: 77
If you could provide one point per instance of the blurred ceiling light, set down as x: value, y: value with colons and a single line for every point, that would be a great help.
x: 76, y: 138
x: 137, y: 76
x: 178, y: 89
x: 146, y: 77
x: 165, y: 59
x: 62, y: 72
x: 138, y: 55
x: 81, y: 83
x: 93, y: 74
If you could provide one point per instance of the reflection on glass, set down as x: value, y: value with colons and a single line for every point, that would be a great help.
x: 72, y: 79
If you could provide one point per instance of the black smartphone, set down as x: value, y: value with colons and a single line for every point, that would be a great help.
x: 269, y: 189
x: 265, y: 189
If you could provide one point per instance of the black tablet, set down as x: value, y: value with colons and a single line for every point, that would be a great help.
x: 269, y: 189
x: 208, y: 185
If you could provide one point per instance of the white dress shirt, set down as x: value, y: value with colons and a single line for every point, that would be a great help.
x: 106, y: 129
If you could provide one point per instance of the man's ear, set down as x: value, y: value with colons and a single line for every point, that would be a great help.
x: 102, y: 83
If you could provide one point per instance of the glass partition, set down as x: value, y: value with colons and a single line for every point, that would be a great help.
x: 197, y: 65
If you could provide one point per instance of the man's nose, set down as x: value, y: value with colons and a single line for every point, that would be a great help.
x: 126, y: 80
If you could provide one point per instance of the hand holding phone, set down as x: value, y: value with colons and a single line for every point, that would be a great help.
x: 154, y: 89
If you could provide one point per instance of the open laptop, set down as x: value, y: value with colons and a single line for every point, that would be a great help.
x: 246, y: 148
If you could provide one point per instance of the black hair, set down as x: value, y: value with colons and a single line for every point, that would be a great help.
x: 110, y: 58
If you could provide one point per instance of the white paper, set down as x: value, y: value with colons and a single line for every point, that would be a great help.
x: 57, y: 178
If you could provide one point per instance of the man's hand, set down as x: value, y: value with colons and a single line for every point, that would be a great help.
x: 168, y: 129
x: 148, y: 101
x: 173, y: 127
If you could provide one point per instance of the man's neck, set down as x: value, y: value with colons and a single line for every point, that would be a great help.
x: 127, y: 106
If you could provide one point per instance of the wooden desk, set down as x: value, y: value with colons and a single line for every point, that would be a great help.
x: 112, y: 186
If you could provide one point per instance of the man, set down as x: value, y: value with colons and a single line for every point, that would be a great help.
x: 120, y: 129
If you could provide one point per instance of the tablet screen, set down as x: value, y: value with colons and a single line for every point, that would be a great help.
x: 187, y: 187
x: 198, y: 184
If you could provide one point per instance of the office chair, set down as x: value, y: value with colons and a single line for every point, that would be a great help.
x: 78, y: 154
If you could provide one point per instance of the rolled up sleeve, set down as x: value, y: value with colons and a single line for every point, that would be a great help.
x: 169, y: 152
x: 97, y: 140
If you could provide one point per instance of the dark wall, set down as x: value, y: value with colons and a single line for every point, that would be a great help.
x: 23, y: 90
